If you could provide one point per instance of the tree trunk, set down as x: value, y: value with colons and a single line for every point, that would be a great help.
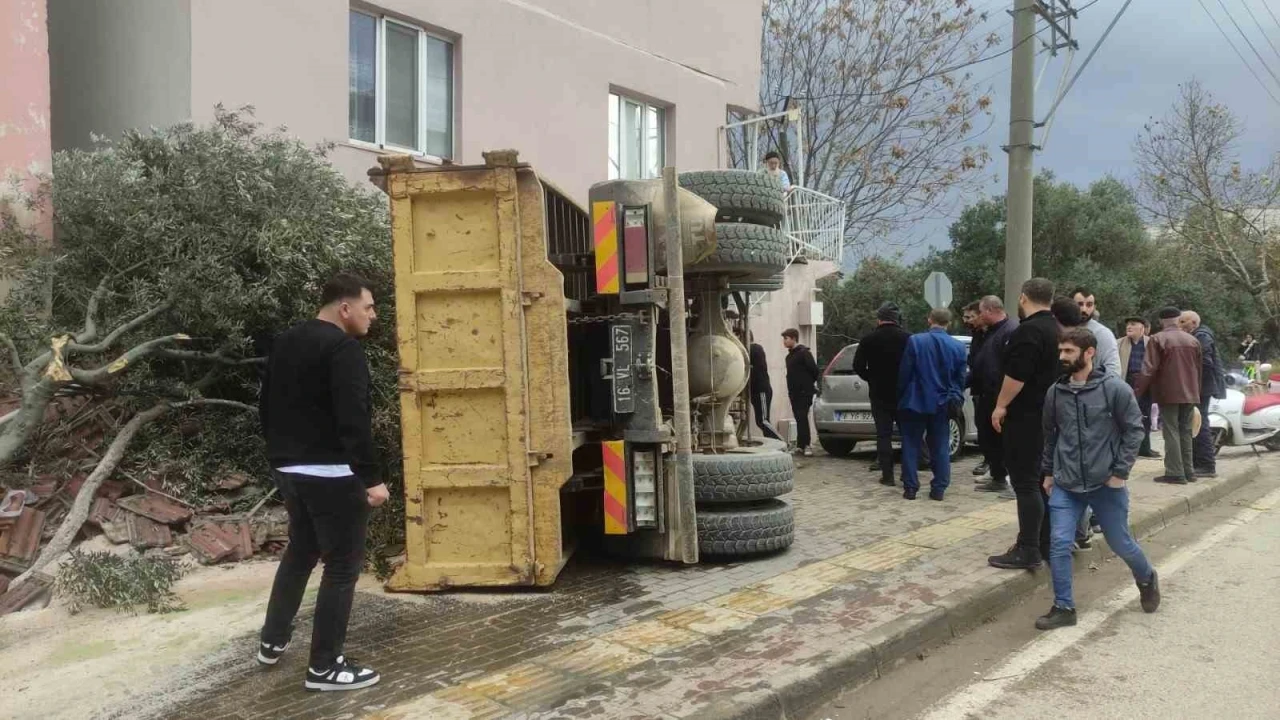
x: 79, y: 512
x: 15, y: 433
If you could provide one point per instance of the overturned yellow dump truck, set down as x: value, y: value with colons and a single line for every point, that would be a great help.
x: 571, y: 376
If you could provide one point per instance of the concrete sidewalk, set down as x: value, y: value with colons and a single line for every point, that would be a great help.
x: 872, y: 581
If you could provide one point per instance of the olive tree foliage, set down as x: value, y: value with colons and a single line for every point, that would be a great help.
x: 179, y: 253
x: 891, y: 117
x: 1195, y: 186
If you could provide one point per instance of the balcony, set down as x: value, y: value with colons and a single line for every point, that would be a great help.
x: 815, y: 223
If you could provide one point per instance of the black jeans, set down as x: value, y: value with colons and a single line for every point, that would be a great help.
x: 800, y: 410
x: 761, y: 401
x: 885, y: 415
x: 1022, y: 446
x: 989, y: 441
x: 1202, y: 451
x: 328, y: 518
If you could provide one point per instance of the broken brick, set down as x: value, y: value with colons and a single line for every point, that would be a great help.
x: 22, y: 539
x: 146, y: 533
x: 72, y: 488
x: 111, y: 489
x: 117, y: 531
x: 103, y: 511
x: 157, y: 508
x: 28, y: 592
x: 210, y: 545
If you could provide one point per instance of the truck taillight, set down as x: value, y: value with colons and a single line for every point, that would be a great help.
x: 635, y: 246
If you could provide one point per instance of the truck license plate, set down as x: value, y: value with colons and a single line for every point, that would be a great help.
x: 624, y: 398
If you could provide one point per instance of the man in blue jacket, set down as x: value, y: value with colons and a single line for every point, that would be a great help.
x: 1092, y: 430
x: 930, y: 391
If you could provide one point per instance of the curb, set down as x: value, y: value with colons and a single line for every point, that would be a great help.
x: 797, y: 692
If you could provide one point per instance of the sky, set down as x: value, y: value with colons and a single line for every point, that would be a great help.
x: 1156, y: 45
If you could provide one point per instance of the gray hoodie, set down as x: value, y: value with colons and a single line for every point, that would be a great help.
x: 1091, y: 432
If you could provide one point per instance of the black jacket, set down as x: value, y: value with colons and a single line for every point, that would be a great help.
x: 802, y: 372
x: 877, y: 360
x: 1031, y: 357
x: 315, y: 404
x: 1213, y: 376
x: 985, y: 359
x: 760, y: 382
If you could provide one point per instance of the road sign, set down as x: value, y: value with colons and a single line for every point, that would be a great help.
x: 937, y: 290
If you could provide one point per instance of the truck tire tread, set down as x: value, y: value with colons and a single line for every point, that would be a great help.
x: 742, y: 477
x: 739, y: 194
x: 751, y: 529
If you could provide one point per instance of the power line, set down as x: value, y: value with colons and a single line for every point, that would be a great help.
x: 1264, y: 32
x: 1240, y: 55
x: 1273, y: 15
x: 1085, y: 64
x: 1249, y: 42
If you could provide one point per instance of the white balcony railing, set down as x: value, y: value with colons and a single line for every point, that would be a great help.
x: 815, y: 222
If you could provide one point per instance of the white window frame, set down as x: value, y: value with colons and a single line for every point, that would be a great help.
x: 380, y: 105
x: 645, y: 108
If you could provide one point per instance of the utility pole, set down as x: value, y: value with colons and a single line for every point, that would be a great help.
x: 1018, y: 197
x: 1058, y: 14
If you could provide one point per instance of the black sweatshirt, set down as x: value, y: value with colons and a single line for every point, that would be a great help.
x: 315, y: 403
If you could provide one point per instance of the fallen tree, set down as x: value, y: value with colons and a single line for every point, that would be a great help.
x: 180, y: 253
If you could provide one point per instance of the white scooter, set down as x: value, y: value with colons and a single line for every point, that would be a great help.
x: 1240, y: 419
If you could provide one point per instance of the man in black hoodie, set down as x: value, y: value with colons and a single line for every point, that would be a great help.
x: 876, y: 360
x: 316, y: 416
x: 802, y: 385
x: 761, y: 386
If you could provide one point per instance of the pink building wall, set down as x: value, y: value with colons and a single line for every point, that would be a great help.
x: 25, y: 149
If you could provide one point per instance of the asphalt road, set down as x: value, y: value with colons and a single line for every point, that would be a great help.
x: 1210, y: 652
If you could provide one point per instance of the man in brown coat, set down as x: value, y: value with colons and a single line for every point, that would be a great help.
x: 1171, y: 373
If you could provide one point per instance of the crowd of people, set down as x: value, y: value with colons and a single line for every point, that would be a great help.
x: 1063, y: 409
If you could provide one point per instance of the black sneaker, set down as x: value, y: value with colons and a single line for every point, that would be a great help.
x: 888, y: 482
x: 994, y: 486
x: 982, y: 469
x: 1056, y: 618
x: 875, y: 467
x: 345, y: 674
x: 935, y: 495
x: 1149, y: 591
x: 1150, y: 454
x: 1206, y: 473
x: 908, y: 494
x: 269, y: 654
x: 1082, y: 545
x: 1171, y: 480
x: 1095, y: 525
x: 1017, y: 558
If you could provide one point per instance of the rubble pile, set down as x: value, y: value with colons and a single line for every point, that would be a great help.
x: 125, y: 512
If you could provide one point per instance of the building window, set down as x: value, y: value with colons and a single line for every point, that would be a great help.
x: 400, y: 89
x: 637, y: 139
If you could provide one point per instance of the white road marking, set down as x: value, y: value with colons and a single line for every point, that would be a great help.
x: 972, y: 700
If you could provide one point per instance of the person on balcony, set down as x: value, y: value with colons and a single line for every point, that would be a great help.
x: 773, y: 168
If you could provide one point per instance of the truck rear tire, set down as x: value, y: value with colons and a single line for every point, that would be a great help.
x: 748, y: 251
x: 743, y: 476
x: 739, y: 195
x: 738, y: 531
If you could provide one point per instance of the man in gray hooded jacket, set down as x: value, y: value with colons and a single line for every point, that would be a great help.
x: 1092, y: 430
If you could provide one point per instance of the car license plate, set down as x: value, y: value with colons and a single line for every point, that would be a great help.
x: 858, y: 417
x: 624, y: 397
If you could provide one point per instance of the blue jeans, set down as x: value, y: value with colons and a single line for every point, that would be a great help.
x: 915, y: 428
x: 1111, y: 506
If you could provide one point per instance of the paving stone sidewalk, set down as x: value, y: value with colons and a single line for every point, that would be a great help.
x: 870, y: 579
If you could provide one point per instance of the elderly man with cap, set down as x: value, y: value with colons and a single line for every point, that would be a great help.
x: 877, y: 360
x: 1213, y: 384
x: 1133, y: 351
x: 1171, y: 373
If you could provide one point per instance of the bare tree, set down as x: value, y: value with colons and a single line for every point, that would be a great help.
x: 890, y: 107
x: 1192, y: 185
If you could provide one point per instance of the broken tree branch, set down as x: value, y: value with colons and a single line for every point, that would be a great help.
x: 90, y: 331
x: 106, y: 343
x: 79, y: 511
x: 98, y: 375
x: 196, y: 356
